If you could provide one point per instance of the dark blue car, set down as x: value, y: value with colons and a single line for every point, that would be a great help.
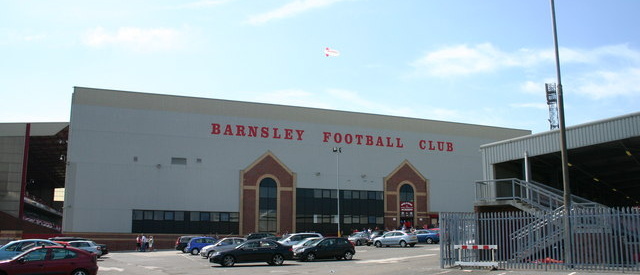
x: 428, y: 236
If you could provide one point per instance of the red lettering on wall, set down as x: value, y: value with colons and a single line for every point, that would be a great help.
x: 431, y: 145
x: 240, y: 130
x: 215, y: 128
x: 299, y: 132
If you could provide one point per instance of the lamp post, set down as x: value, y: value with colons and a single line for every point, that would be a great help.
x: 337, y: 151
x: 563, y: 148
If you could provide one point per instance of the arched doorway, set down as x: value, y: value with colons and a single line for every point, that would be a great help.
x: 407, y: 208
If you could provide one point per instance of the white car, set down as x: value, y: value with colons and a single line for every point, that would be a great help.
x: 393, y: 238
x: 88, y: 246
x: 294, y: 238
x: 208, y: 250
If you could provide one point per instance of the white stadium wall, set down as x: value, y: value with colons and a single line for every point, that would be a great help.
x: 131, y: 151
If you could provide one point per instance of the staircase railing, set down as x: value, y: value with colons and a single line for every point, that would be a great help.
x: 545, y: 203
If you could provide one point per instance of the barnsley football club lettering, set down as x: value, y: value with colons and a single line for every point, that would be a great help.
x: 255, y: 131
x: 360, y: 139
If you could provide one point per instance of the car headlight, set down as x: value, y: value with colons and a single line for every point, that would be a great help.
x: 216, y: 253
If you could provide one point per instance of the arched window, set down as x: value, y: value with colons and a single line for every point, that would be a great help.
x: 406, y: 193
x: 268, y: 219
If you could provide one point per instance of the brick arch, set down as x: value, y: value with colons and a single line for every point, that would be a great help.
x: 267, y: 166
x: 405, y: 173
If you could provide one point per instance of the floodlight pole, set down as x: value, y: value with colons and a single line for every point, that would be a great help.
x: 568, y: 240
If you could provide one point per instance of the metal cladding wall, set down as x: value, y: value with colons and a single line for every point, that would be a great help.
x: 543, y: 143
x: 145, y: 151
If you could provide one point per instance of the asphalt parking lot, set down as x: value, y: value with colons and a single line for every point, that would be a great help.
x: 421, y: 259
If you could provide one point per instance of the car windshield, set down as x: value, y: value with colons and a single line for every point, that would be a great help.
x: 314, y: 242
x: 284, y: 237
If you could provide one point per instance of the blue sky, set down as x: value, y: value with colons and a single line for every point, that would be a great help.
x: 470, y: 61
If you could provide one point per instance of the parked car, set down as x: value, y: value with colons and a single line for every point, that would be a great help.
x: 51, y: 260
x: 88, y: 246
x: 359, y: 238
x: 326, y: 248
x: 259, y: 235
x: 197, y: 243
x: 257, y: 250
x: 66, y: 239
x: 305, y: 242
x: 294, y: 238
x: 208, y: 250
x: 182, y: 241
x: 374, y: 234
x: 14, y: 248
x: 428, y: 236
x: 400, y: 238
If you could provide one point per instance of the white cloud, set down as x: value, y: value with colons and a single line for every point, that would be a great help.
x: 201, y: 4
x: 481, y: 58
x: 289, y: 10
x: 137, y: 39
x: 603, y: 84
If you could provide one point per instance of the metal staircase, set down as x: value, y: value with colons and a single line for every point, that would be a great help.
x: 546, y: 206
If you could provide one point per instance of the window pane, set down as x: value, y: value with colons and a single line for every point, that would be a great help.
x: 334, y: 194
x: 195, y: 216
x: 148, y: 215
x: 356, y: 194
x: 235, y: 217
x: 168, y: 215
x: 137, y: 215
x: 179, y: 216
x: 205, y: 216
x: 158, y: 215
x: 317, y: 193
x: 215, y: 217
x: 346, y: 194
x: 371, y: 195
x: 326, y: 193
x: 224, y: 217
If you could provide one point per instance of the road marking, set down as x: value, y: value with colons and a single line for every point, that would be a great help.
x: 111, y: 269
x: 393, y: 260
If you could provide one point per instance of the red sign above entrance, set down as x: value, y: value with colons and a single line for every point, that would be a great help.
x: 406, y: 206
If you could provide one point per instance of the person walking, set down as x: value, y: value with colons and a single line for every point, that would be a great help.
x: 143, y: 243
x: 150, y: 243
x: 138, y: 240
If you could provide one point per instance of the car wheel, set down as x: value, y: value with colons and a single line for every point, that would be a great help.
x: 348, y: 255
x: 228, y: 261
x: 195, y: 251
x: 378, y: 244
x: 311, y: 257
x: 185, y: 250
x: 429, y: 241
x: 277, y: 260
x: 403, y: 243
x: 79, y: 272
x: 358, y: 243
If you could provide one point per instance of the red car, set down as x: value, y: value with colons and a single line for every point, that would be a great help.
x: 51, y: 260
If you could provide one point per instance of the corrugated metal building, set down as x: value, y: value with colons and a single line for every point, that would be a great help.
x: 602, y: 155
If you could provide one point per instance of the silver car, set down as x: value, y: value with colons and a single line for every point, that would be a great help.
x: 208, y: 250
x: 359, y: 238
x: 400, y: 238
x: 88, y: 246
